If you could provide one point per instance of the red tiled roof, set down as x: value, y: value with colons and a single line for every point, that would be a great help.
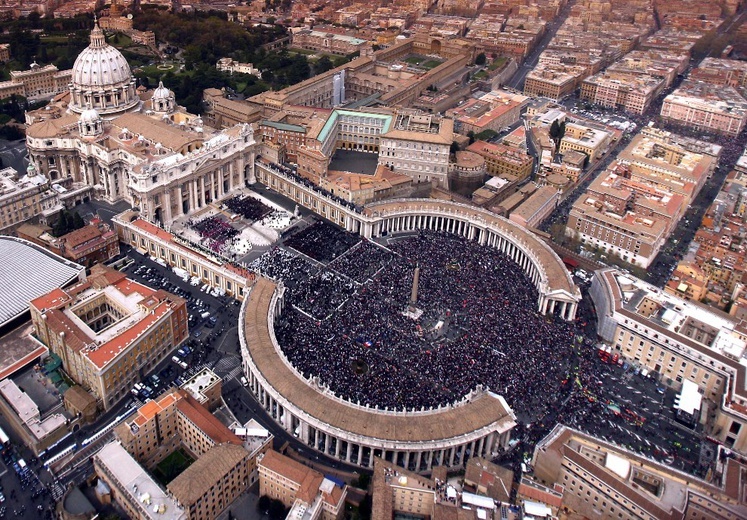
x: 205, y: 421
x: 58, y: 322
x: 79, y: 236
x: 52, y: 299
x: 109, y: 350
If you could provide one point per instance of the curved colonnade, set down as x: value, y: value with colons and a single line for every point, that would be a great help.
x: 480, y: 425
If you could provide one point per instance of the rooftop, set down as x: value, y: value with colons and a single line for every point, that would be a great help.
x: 152, y: 501
x: 28, y: 271
x: 197, y: 480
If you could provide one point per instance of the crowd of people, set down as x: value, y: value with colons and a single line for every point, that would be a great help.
x: 215, y: 233
x: 362, y: 261
x: 321, y: 241
x: 248, y: 207
x: 368, y: 351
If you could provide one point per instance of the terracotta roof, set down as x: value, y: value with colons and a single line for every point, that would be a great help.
x: 205, y: 421
x: 170, y: 136
x: 285, y: 466
x: 79, y: 236
x: 197, y: 480
x: 53, y: 298
x: 58, y: 322
x: 112, y: 348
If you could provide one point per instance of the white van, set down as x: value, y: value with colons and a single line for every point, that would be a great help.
x: 244, y: 382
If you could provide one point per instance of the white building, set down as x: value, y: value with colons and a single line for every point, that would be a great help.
x: 144, y: 150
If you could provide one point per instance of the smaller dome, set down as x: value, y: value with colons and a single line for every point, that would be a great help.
x: 89, y: 116
x: 162, y: 92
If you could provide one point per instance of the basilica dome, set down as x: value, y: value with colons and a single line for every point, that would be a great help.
x: 102, y: 79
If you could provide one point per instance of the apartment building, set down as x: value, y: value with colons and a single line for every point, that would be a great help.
x: 25, y: 198
x: 678, y: 340
x: 493, y: 111
x: 37, y: 81
x: 225, y: 464
x: 418, y: 145
x: 132, y: 488
x: 327, y: 42
x: 92, y: 244
x: 504, y: 161
x: 630, y: 92
x: 600, y: 479
x: 306, y: 491
x: 552, y: 82
x: 585, y: 139
x: 109, y: 330
x: 703, y: 106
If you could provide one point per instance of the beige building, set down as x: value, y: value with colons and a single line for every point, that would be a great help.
x: 418, y: 146
x: 152, y: 240
x: 630, y: 92
x: 591, y: 141
x: 306, y: 491
x: 38, y: 81
x: 25, y: 198
x: 678, y: 340
x: 624, y: 217
x: 213, y: 482
x: 507, y: 162
x: 552, y: 82
x: 493, y: 111
x: 109, y: 330
x: 536, y: 208
x: 327, y: 42
x: 221, y: 112
x: 601, y: 480
x: 702, y: 106
x: 4, y: 52
x: 225, y: 464
x: 132, y: 488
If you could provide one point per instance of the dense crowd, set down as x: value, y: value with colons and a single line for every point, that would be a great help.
x: 362, y: 262
x: 322, y: 241
x: 215, y: 232
x: 368, y: 351
x: 248, y: 207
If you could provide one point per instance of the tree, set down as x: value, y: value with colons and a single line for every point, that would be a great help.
x: 323, y: 64
x: 365, y: 479
x: 454, y: 148
x: 554, y: 129
x: 480, y: 59
x: 277, y: 510
x: 471, y: 136
x: 78, y: 221
x: 263, y: 504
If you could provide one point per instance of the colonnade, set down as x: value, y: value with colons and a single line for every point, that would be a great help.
x: 358, y: 451
x: 482, y: 233
x: 198, y: 191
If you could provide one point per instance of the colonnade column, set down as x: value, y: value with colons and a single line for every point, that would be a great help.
x: 180, y: 210
x: 167, y: 203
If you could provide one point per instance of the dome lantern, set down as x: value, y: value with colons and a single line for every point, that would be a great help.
x: 101, y: 78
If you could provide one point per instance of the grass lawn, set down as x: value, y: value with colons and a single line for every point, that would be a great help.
x: 497, y: 63
x: 413, y: 60
x: 53, y: 39
x: 308, y: 52
x: 431, y: 64
x: 172, y: 466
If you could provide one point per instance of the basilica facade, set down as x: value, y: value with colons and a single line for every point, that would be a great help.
x: 127, y: 143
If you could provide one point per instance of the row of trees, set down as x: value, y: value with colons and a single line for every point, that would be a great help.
x: 67, y: 222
